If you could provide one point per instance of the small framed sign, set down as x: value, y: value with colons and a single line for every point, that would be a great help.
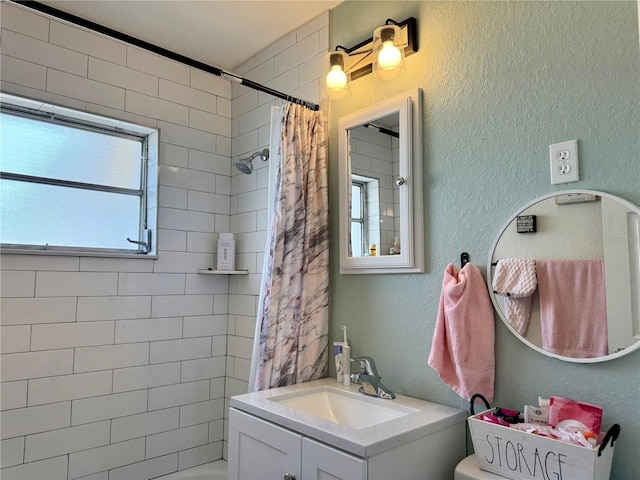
x: 526, y: 223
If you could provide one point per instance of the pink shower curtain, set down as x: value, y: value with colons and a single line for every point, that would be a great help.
x: 294, y: 322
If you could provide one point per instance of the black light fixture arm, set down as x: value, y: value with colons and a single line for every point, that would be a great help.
x: 365, y: 47
x: 412, y: 38
x: 96, y: 27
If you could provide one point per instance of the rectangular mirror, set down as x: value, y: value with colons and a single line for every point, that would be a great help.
x: 380, y: 153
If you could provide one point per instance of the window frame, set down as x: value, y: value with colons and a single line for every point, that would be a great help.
x: 363, y: 218
x: 143, y: 245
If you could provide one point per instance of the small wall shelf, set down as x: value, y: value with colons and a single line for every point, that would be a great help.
x: 206, y: 271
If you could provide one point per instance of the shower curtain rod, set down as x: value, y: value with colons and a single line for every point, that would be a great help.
x: 54, y: 12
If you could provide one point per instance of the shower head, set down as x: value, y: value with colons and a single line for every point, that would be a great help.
x: 245, y: 165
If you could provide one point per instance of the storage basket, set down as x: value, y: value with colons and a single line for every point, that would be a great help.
x: 520, y: 455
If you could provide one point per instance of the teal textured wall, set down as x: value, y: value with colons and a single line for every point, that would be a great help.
x: 501, y: 81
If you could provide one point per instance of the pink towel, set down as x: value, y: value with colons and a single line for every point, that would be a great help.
x: 462, y: 349
x: 573, y: 307
x: 515, y: 279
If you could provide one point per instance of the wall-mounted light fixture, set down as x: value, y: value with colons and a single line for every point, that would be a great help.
x: 337, y: 80
x: 384, y: 55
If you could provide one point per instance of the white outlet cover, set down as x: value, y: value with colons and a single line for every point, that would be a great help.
x: 563, y: 162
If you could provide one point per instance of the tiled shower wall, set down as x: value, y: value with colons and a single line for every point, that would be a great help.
x: 115, y: 368
x: 122, y: 368
x: 293, y: 65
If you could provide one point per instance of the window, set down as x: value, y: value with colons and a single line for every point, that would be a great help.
x: 358, y: 217
x: 365, y: 214
x: 72, y: 181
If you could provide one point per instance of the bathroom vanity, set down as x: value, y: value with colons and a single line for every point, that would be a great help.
x: 322, y: 429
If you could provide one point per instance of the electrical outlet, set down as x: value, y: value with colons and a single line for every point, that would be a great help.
x: 563, y: 161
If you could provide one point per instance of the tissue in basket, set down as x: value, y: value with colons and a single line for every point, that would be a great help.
x: 520, y: 455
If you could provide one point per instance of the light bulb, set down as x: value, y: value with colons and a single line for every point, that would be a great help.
x: 389, y: 56
x: 336, y: 78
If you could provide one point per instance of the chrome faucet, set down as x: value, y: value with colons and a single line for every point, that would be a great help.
x: 368, y: 377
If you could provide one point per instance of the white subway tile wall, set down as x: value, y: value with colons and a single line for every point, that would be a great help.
x: 123, y: 368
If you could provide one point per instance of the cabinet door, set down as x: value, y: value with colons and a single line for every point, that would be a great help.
x: 322, y: 462
x: 260, y: 450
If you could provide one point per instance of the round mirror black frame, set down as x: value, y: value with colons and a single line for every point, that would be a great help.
x: 491, y: 265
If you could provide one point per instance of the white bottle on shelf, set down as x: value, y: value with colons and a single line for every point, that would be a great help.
x: 226, y: 252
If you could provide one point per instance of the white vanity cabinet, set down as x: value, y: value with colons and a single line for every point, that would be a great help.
x: 323, y: 430
x: 259, y: 450
x: 320, y: 461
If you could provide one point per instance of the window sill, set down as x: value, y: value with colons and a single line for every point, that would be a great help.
x: 76, y: 253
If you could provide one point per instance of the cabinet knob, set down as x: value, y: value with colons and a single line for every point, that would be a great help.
x: 289, y: 476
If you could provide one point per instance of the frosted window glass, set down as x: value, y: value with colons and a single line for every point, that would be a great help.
x: 356, y: 201
x: 66, y: 184
x: 356, y: 239
x: 44, y: 149
x: 35, y: 214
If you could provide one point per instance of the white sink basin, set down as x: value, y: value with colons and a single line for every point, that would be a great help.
x: 342, y: 407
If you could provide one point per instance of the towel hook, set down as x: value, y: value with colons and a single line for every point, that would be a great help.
x: 464, y: 259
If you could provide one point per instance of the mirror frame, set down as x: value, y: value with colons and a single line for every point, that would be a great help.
x: 411, y: 259
x: 490, y: 270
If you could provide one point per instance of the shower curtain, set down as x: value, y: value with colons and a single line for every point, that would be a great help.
x: 291, y: 344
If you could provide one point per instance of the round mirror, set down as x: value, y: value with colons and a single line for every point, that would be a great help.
x: 564, y: 275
